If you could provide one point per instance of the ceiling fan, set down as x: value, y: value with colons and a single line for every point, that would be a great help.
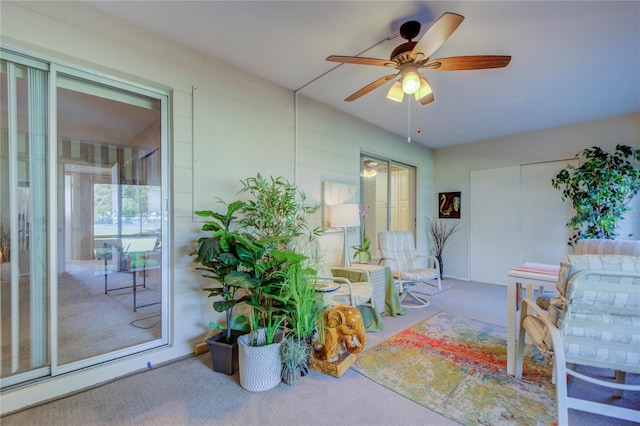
x: 411, y: 56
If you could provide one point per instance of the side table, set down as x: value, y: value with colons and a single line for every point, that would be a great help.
x: 385, y: 294
x: 529, y: 275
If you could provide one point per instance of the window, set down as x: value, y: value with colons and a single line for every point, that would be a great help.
x: 388, y: 194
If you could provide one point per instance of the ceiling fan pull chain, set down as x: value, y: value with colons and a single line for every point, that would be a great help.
x: 419, y: 129
x: 409, y: 119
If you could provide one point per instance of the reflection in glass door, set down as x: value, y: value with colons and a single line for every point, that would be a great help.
x: 109, y: 210
x: 388, y: 190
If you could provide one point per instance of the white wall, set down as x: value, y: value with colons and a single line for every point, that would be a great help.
x: 453, y: 165
x: 322, y: 145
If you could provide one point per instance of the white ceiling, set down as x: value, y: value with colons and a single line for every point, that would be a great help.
x: 572, y: 61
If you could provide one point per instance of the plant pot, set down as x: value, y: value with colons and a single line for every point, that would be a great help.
x: 224, y: 355
x: 363, y: 257
x: 260, y: 367
x: 291, y: 375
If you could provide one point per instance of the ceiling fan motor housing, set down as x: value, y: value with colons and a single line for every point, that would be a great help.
x: 410, y: 30
x: 402, y: 54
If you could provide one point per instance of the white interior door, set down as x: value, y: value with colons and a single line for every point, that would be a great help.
x: 494, y: 222
x: 543, y: 233
x: 516, y: 216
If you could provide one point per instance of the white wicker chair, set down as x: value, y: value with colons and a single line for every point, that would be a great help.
x: 399, y: 253
x: 594, y: 321
x: 354, y: 293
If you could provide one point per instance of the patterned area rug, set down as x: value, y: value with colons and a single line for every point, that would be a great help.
x: 456, y: 366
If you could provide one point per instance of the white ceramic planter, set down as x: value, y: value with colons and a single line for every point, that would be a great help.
x: 260, y: 367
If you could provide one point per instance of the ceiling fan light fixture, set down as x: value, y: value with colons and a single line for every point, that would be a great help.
x: 411, y: 83
x: 396, y: 93
x: 424, y: 90
x: 410, y: 79
x: 368, y: 173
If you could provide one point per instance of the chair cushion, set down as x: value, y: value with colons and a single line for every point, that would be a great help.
x: 398, y: 245
x: 603, y: 247
x: 417, y: 275
x: 362, y: 293
x: 573, y: 263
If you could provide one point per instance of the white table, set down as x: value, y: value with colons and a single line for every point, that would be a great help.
x: 531, y: 275
x: 378, y: 281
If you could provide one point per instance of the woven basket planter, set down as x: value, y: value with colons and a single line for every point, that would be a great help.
x: 260, y: 367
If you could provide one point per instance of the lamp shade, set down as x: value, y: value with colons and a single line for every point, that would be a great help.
x: 395, y: 93
x: 343, y: 215
x: 424, y: 90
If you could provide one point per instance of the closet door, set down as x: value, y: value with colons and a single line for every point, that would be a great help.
x: 516, y: 216
x: 543, y: 233
x: 494, y: 222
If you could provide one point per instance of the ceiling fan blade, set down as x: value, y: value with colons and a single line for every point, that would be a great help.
x: 369, y: 87
x: 457, y: 63
x: 362, y: 61
x: 437, y: 34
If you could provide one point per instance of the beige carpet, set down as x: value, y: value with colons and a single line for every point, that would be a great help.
x: 188, y: 392
x: 90, y: 322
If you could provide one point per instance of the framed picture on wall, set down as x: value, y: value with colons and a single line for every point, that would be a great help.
x: 449, y: 205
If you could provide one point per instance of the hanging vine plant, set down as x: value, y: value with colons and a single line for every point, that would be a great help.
x: 600, y: 190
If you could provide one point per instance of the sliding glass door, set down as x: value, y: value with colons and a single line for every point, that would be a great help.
x: 109, y: 213
x: 24, y: 296
x: 82, y: 219
x: 388, y: 195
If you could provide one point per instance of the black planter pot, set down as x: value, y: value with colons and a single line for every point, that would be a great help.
x: 224, y: 355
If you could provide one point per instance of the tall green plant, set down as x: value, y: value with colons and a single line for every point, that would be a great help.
x: 256, y: 259
x: 304, y: 305
x: 276, y: 209
x: 600, y: 190
x: 275, y: 213
x: 220, y: 254
x: 264, y: 281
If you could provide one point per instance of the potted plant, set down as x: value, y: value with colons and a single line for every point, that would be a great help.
x: 304, y: 305
x: 304, y: 313
x: 218, y: 255
x: 440, y: 231
x: 600, y: 190
x: 362, y: 252
x: 295, y: 358
x: 274, y: 214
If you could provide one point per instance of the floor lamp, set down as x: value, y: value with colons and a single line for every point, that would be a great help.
x: 343, y: 216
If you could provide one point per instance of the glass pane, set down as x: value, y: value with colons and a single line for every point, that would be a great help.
x: 388, y: 194
x: 110, y: 216
x: 402, y: 217
x: 374, y: 184
x: 23, y: 226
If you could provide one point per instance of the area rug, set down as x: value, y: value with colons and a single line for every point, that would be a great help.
x: 456, y: 366
x: 431, y: 290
